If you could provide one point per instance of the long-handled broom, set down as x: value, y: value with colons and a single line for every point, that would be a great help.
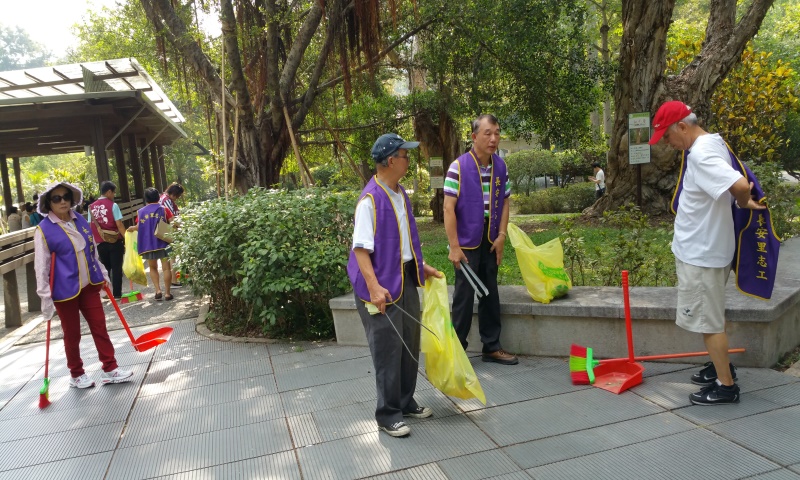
x: 44, y: 393
x: 582, y: 362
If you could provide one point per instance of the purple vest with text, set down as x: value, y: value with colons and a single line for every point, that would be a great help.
x: 469, y: 205
x: 149, y: 217
x: 387, y: 259
x: 67, y: 283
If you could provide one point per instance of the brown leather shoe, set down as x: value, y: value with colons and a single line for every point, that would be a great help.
x: 500, y: 356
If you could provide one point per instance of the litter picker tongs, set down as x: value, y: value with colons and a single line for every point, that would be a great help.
x: 480, y: 289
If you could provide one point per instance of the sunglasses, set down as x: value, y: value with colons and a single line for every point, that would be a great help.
x: 59, y: 198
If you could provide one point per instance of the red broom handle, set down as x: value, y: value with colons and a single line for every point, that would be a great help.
x: 669, y: 355
x: 119, y: 313
x: 627, y: 301
x: 47, y: 345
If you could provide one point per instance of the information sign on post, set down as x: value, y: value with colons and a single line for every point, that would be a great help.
x: 638, y: 136
x: 436, y: 171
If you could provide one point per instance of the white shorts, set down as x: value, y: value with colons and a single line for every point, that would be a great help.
x: 701, y: 297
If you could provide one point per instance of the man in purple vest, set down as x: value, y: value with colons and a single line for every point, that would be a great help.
x: 704, y: 242
x: 476, y: 205
x: 107, y: 215
x: 385, y: 268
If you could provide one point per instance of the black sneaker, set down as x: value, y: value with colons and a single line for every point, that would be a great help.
x: 708, y: 375
x: 716, y: 395
x: 397, y: 429
x: 419, y: 412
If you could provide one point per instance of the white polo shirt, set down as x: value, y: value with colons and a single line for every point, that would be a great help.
x: 703, y: 234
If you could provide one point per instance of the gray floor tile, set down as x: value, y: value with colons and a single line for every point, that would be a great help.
x: 784, y: 395
x: 200, y: 451
x: 172, y: 375
x: 346, y: 421
x: 752, y: 379
x: 598, y: 439
x: 795, y: 467
x: 476, y: 466
x: 376, y: 453
x: 52, y: 422
x: 718, y: 456
x: 304, y: 430
x: 670, y: 390
x: 278, y: 466
x: 325, y: 374
x: 782, y: 474
x: 430, y: 471
x: 556, y: 415
x: 8, y: 391
x: 63, y: 398
x: 775, y: 434
x: 322, y: 397
x: 652, y: 369
x: 749, y: 405
x: 89, y: 467
x: 196, y: 421
x: 281, y: 348
x: 59, y: 446
x: 521, y: 475
x: 319, y: 356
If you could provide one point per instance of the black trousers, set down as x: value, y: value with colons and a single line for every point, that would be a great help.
x: 484, y: 264
x: 111, y: 255
x: 395, y: 367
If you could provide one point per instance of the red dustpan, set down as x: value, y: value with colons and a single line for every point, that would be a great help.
x: 617, y: 377
x: 149, y: 339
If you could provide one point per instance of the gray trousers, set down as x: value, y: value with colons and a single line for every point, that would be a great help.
x: 395, y: 368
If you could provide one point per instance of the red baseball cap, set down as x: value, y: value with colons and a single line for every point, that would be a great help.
x: 667, y: 114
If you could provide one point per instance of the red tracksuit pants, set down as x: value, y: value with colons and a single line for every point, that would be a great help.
x: 89, y: 304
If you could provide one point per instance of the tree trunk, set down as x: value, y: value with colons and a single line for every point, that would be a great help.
x: 642, y: 87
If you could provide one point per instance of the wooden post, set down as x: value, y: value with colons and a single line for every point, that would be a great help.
x: 7, y: 200
x: 122, y: 170
x: 34, y: 302
x: 159, y: 182
x: 99, y: 145
x: 13, y: 312
x: 162, y: 164
x: 18, y: 178
x: 148, y: 178
x: 136, y: 167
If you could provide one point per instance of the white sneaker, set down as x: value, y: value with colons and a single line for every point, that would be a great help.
x: 115, y: 376
x: 81, y: 382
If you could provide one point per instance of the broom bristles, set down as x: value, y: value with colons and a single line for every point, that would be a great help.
x: 581, y: 365
x: 44, y: 394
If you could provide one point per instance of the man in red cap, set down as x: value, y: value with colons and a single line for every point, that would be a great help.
x: 704, y: 242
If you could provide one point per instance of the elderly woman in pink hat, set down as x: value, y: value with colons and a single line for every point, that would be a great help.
x: 77, y: 279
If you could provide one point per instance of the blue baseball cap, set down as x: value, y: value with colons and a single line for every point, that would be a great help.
x: 387, y: 144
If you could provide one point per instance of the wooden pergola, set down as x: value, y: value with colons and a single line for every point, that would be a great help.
x: 100, y: 107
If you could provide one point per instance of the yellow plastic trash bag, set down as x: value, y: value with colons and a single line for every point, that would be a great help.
x: 132, y: 264
x: 446, y: 364
x: 542, y: 266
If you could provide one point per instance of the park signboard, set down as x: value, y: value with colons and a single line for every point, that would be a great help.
x: 638, y: 137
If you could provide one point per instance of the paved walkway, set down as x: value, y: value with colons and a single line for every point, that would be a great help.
x: 204, y: 409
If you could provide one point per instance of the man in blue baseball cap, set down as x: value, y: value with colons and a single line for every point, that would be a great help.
x: 385, y: 269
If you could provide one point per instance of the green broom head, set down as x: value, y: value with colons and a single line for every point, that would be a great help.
x: 581, y: 365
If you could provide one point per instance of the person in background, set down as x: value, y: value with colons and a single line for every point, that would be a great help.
x: 35, y: 217
x: 169, y: 201
x: 385, y: 269
x: 14, y: 220
x: 109, y: 234
x: 27, y: 209
x: 599, y: 180
x: 476, y: 206
x: 77, y: 278
x: 150, y: 247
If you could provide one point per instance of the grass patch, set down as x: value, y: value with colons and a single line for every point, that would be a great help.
x: 788, y: 359
x: 541, y: 229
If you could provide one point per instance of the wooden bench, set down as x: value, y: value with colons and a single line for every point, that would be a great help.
x: 16, y: 250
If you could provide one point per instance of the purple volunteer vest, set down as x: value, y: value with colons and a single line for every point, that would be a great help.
x: 469, y: 204
x: 108, y: 224
x: 755, y: 259
x: 67, y: 283
x: 149, y: 216
x: 387, y: 258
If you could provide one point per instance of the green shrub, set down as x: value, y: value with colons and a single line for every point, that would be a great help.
x: 570, y: 199
x: 269, y: 260
x: 524, y: 166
